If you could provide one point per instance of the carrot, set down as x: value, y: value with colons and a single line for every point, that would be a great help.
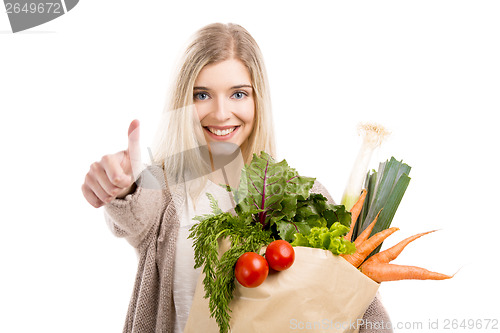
x: 378, y: 268
x: 366, y: 233
x: 380, y: 272
x: 392, y: 253
x: 368, y: 246
x: 355, y: 211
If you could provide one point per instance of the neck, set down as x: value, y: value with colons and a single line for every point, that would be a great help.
x: 226, y: 168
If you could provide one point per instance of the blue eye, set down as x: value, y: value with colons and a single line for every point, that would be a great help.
x: 201, y: 96
x: 239, y: 95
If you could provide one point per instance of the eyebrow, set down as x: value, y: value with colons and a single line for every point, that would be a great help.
x: 233, y: 87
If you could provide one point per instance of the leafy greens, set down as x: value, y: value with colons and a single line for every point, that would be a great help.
x: 272, y: 202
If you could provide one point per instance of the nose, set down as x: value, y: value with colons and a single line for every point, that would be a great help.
x: 221, y: 109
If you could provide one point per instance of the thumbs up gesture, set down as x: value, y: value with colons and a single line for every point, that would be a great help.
x: 114, y: 175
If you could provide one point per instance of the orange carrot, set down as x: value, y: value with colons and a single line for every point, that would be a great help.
x: 368, y: 246
x: 392, y: 253
x: 378, y: 268
x: 366, y: 233
x: 355, y: 211
x: 380, y: 272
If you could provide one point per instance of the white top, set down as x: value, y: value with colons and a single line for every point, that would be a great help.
x: 185, y: 276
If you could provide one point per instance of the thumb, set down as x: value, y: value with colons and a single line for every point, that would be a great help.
x: 134, y: 149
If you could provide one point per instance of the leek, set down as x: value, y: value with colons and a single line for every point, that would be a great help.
x: 373, y: 135
x: 386, y: 188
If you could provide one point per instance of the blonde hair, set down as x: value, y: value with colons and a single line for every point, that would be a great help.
x: 179, y: 137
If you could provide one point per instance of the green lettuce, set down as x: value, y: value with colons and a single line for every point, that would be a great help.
x: 327, y: 239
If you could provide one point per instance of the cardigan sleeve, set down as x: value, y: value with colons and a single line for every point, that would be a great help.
x: 132, y: 216
x: 375, y: 318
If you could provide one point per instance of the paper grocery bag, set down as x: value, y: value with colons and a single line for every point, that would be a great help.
x: 319, y: 292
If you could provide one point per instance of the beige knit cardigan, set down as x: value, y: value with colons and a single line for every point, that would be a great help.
x: 148, y: 220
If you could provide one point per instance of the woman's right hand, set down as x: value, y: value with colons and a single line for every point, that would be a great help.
x: 114, y: 175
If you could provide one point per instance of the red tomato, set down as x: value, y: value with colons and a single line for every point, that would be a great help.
x: 280, y: 255
x: 251, y: 269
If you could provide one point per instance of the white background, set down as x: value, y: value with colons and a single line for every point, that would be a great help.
x: 427, y: 70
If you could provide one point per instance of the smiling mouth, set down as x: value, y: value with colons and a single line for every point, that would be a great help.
x: 221, y: 132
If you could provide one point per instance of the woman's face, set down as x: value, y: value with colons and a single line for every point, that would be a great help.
x: 224, y: 101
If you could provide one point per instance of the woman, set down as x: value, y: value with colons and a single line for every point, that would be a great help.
x: 220, y: 101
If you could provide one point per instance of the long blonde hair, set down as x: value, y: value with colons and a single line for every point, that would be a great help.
x: 179, y: 137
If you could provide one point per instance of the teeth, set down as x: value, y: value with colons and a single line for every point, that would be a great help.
x: 221, y: 132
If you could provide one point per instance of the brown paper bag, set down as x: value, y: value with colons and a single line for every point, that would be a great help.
x: 319, y: 292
